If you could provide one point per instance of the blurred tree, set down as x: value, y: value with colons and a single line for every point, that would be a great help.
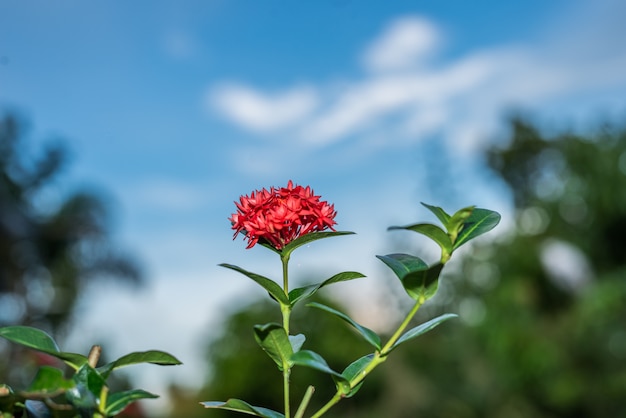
x: 545, y: 304
x: 554, y: 324
x: 47, y: 254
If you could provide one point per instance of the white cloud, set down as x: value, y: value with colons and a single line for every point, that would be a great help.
x: 461, y: 100
x: 262, y: 112
x: 405, y: 42
x: 363, y: 104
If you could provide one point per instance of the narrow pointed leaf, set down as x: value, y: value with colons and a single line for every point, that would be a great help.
x: 439, y: 213
x: 85, y: 394
x: 238, y: 405
x: 308, y: 238
x: 431, y: 231
x: 30, y: 337
x: 418, y: 279
x: 422, y: 329
x: 297, y: 341
x: 403, y: 264
x: 117, y: 402
x: 308, y: 358
x: 354, y: 370
x: 39, y: 340
x: 478, y: 223
x: 456, y: 222
x: 369, y: 335
x: 90, y: 378
x: 300, y: 293
x: 312, y: 360
x: 271, y: 286
x: 274, y: 341
x: 74, y: 360
x: 49, y: 380
x: 160, y: 358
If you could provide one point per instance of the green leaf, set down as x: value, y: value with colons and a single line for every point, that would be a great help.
x: 90, y: 377
x: 39, y: 340
x: 300, y: 293
x: 72, y: 359
x: 48, y: 380
x: 308, y: 238
x: 369, y: 335
x: 238, y: 405
x: 117, y: 402
x: 85, y: 394
x: 354, y: 370
x: 456, y: 222
x: 30, y: 337
x: 403, y: 264
x: 160, y: 358
x: 418, y: 279
x: 308, y: 358
x: 274, y: 341
x: 433, y: 232
x: 422, y: 329
x: 297, y: 341
x: 478, y: 223
x: 275, y: 291
x: 439, y: 213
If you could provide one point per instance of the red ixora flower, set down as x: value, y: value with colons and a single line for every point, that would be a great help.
x: 279, y: 216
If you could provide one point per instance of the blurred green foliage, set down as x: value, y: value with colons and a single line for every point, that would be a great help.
x: 543, y: 307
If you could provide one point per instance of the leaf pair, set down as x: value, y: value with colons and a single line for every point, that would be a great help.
x: 308, y: 359
x: 373, y: 339
x: 286, y: 352
x: 279, y: 346
x: 295, y: 295
x: 87, y: 393
x: 286, y: 251
x: 459, y: 228
x: 418, y: 278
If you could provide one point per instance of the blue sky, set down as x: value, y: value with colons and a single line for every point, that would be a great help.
x: 174, y: 109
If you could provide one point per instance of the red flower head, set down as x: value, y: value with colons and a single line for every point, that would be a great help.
x: 279, y: 216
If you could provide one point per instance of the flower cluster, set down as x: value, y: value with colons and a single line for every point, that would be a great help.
x: 280, y: 215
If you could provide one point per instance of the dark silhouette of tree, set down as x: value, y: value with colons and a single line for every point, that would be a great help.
x: 48, y: 254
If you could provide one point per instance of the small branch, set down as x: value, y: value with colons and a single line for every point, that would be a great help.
x: 305, y: 402
x: 94, y: 355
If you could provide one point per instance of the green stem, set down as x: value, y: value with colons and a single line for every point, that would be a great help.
x: 305, y: 402
x: 396, y: 335
x: 335, y: 399
x: 286, y: 313
x: 285, y: 260
x: 379, y: 357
